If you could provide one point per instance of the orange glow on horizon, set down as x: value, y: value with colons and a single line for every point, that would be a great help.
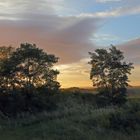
x: 71, y: 78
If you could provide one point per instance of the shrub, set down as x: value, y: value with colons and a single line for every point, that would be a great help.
x: 126, y: 118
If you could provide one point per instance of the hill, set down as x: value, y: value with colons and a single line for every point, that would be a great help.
x: 132, y: 92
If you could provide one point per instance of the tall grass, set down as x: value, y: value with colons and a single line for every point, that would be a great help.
x: 77, y: 117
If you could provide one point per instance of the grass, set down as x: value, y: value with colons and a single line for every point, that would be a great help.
x: 77, y: 117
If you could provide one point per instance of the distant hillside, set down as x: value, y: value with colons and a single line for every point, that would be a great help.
x: 77, y: 89
x: 132, y: 91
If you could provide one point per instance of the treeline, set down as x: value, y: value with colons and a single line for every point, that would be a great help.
x: 27, y: 78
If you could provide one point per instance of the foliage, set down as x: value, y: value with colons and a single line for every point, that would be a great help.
x: 5, y: 75
x: 29, y: 67
x: 26, y: 75
x: 109, y: 73
x: 76, y: 118
x: 12, y: 105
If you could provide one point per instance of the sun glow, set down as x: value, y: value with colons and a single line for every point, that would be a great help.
x: 77, y: 75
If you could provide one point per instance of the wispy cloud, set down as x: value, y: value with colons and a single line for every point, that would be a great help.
x: 135, y: 77
x: 105, y: 1
x: 121, y: 11
x: 132, y: 50
x: 104, y: 40
x: 76, y: 74
x: 66, y: 37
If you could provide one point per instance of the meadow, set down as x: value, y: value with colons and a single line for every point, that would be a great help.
x: 76, y: 116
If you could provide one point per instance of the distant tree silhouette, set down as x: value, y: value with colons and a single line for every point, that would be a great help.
x: 109, y: 73
x: 29, y: 67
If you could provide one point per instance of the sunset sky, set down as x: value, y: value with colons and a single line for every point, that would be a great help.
x: 72, y: 28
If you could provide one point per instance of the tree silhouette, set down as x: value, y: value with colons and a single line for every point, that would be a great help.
x: 29, y: 67
x: 109, y: 73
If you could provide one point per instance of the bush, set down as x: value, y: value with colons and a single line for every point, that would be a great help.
x: 126, y: 118
x: 13, y: 104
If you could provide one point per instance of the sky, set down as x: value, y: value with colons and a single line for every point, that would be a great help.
x: 72, y: 28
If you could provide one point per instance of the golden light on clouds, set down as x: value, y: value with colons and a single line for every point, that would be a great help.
x: 77, y: 75
x: 67, y: 81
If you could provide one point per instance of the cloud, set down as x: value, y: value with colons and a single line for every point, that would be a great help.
x: 104, y: 40
x: 119, y: 11
x: 135, y: 77
x: 53, y: 26
x: 26, y: 6
x: 105, y: 1
x: 38, y: 22
x: 21, y: 7
x: 132, y: 50
x: 67, y: 37
x: 76, y: 74
x: 17, y: 9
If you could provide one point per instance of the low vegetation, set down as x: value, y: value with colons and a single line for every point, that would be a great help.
x: 76, y: 116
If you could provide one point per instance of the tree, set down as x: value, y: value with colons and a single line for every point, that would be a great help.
x: 30, y: 67
x: 5, y: 76
x: 25, y: 72
x: 109, y: 73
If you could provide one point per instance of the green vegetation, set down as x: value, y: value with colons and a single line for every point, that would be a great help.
x: 27, y: 77
x: 76, y: 117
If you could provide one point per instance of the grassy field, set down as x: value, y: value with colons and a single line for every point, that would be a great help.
x: 76, y: 117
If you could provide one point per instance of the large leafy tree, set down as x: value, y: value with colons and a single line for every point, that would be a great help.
x: 30, y: 67
x: 109, y: 72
